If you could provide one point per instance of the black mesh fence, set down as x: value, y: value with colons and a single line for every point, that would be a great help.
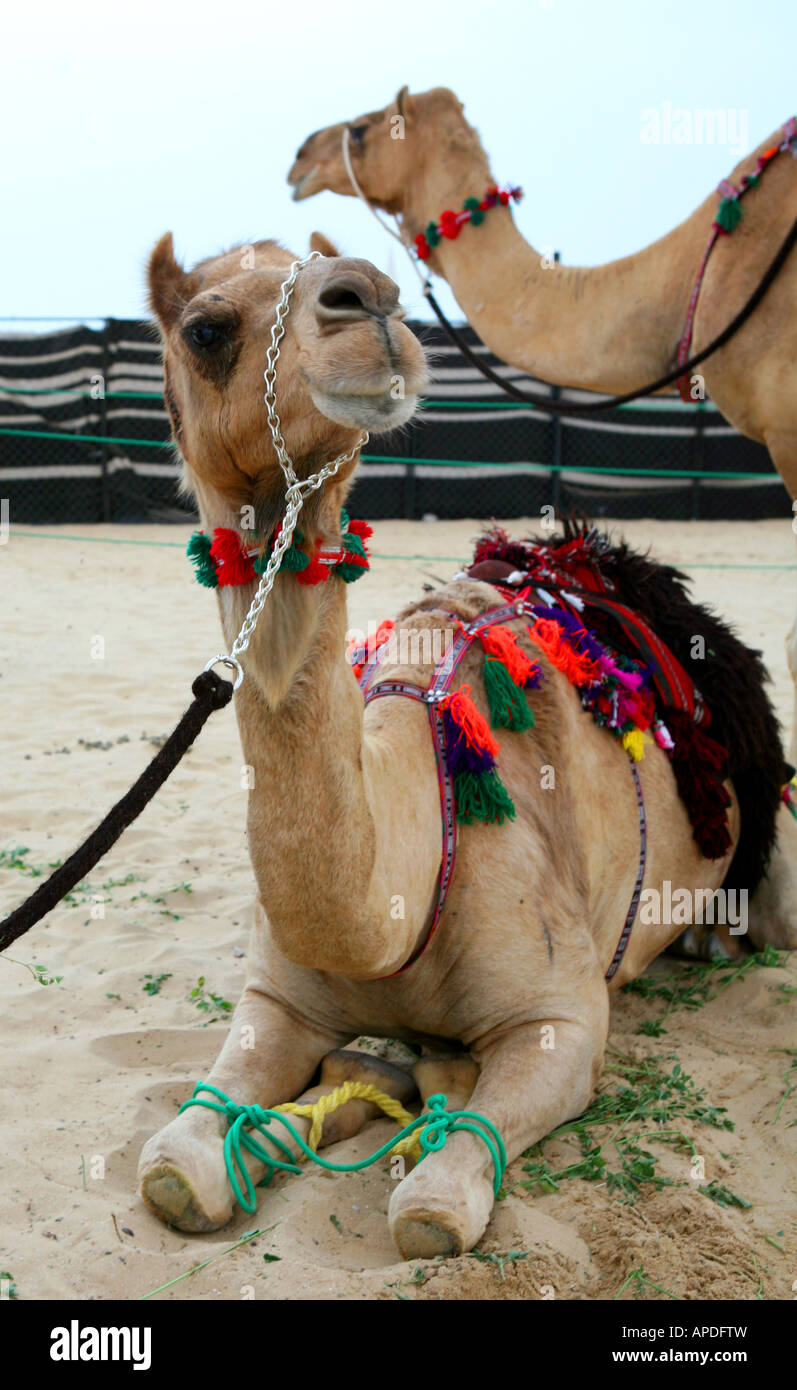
x: 84, y: 437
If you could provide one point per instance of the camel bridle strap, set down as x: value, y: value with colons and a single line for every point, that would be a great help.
x: 568, y: 408
x: 353, y: 180
x: 728, y: 216
x: 210, y: 691
x: 431, y: 695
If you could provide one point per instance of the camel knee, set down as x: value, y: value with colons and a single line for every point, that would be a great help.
x: 772, y: 916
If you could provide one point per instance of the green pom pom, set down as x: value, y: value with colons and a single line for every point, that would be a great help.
x: 295, y: 559
x: 344, y: 518
x: 198, y: 552
x: 753, y: 180
x: 432, y: 235
x: 509, y: 708
x: 482, y: 796
x: 729, y: 214
x: 354, y: 544
x: 471, y: 205
x: 349, y: 573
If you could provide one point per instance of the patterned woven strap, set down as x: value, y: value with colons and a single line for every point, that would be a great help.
x: 625, y: 934
x: 447, y: 805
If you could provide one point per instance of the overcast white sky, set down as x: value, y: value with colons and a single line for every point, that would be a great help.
x: 119, y: 121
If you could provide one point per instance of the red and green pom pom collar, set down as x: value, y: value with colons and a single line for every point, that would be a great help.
x: 226, y: 559
x: 451, y: 223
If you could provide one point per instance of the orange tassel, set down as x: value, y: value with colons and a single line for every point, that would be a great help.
x: 473, y: 724
x: 579, y: 669
x: 501, y: 643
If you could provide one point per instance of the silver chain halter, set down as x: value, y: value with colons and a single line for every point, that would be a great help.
x: 296, y: 488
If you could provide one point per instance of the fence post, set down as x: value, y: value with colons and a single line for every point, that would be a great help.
x: 105, y: 339
x: 698, y: 456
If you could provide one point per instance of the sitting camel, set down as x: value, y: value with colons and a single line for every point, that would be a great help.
x: 344, y: 816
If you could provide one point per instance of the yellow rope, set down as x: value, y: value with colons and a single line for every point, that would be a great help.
x: 354, y: 1090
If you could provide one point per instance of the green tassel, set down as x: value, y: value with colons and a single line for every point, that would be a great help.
x: 729, y: 214
x: 432, y: 235
x: 295, y: 559
x: 354, y: 544
x: 509, y: 708
x: 482, y: 796
x: 198, y: 552
x: 471, y: 205
x: 349, y: 573
x: 344, y: 518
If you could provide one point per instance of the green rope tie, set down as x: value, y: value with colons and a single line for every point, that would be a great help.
x: 435, y: 1129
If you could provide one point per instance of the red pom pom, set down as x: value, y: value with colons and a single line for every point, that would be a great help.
x: 233, y: 564
x: 315, y: 572
x: 503, y: 199
x: 449, y: 226
x: 422, y: 247
x: 361, y: 529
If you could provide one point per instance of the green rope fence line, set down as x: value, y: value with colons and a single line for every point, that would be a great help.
x: 426, y: 462
x: 435, y: 1127
x: 375, y: 554
x: 678, y: 405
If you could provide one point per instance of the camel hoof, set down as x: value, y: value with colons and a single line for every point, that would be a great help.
x: 434, y: 1213
x: 171, y: 1197
x: 418, y: 1238
x: 183, y: 1180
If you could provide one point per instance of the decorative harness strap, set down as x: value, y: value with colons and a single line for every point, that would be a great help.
x: 728, y: 216
x: 431, y: 697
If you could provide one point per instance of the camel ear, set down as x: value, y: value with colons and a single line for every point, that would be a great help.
x: 319, y: 242
x: 402, y: 102
x: 167, y: 282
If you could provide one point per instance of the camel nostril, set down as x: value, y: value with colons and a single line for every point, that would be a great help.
x: 345, y: 298
x: 340, y: 297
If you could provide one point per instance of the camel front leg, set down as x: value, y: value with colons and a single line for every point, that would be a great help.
x: 772, y: 915
x: 531, y: 1080
x: 268, y: 1057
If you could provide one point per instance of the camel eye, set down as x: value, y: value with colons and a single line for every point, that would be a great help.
x: 357, y: 134
x: 205, y: 335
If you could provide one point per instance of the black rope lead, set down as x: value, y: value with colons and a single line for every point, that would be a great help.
x: 611, y: 402
x: 211, y: 692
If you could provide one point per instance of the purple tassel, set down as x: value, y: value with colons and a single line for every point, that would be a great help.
x: 583, y: 641
x: 460, y: 756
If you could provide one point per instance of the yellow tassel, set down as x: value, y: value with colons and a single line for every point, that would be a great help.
x: 634, y: 744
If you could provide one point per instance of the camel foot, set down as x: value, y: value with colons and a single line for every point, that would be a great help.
x: 438, y: 1213
x: 184, y: 1182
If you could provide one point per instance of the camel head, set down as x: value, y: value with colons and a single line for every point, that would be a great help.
x: 387, y: 148
x: 347, y: 363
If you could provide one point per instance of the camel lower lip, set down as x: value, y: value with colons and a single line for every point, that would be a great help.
x: 374, y: 413
x: 299, y: 187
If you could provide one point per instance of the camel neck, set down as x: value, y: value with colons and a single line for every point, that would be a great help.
x: 313, y: 790
x: 607, y: 328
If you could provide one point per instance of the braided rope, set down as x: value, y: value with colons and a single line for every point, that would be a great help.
x: 349, y: 1090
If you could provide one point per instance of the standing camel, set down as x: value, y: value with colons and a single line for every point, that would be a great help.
x: 344, y: 807
x: 610, y: 328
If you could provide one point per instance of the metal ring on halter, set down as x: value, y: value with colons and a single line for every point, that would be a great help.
x: 232, y: 663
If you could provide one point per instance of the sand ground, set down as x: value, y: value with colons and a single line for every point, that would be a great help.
x: 94, y: 1064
